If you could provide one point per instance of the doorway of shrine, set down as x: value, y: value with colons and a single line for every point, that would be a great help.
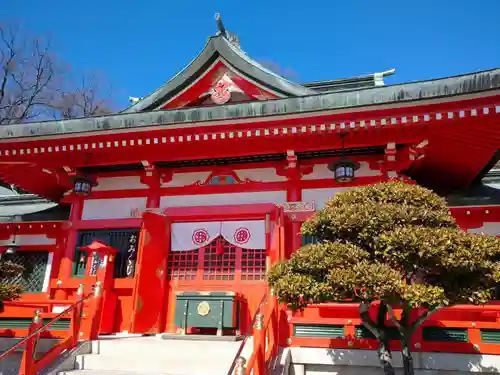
x: 205, y: 275
x: 228, y: 271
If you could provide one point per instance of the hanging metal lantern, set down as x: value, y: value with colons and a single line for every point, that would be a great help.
x: 82, y: 186
x: 343, y: 169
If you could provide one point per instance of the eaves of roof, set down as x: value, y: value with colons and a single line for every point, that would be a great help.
x: 478, y: 82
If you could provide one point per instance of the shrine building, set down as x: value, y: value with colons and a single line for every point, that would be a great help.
x: 203, y: 184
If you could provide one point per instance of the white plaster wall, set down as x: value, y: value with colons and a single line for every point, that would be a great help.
x: 491, y: 229
x: 320, y: 196
x: 29, y: 240
x: 113, y: 208
x: 119, y: 183
x: 319, y: 361
x: 276, y: 197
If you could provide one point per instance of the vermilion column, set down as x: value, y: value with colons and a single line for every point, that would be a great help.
x: 294, y: 194
x: 152, y: 178
x: 66, y: 265
x: 153, y: 200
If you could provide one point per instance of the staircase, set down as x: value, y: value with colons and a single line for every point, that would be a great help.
x: 154, y: 355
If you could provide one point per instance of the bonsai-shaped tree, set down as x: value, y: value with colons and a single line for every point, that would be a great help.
x: 395, y: 244
x: 8, y: 269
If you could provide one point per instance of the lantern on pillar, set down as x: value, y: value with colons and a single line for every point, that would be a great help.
x: 82, y: 185
x: 343, y: 169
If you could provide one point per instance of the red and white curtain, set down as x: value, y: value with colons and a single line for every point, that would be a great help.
x: 249, y: 234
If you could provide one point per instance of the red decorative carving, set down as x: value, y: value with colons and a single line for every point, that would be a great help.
x: 151, y: 176
x: 225, y: 178
x: 399, y: 160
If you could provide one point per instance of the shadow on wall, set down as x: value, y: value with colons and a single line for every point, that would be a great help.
x: 365, y: 362
x: 11, y: 364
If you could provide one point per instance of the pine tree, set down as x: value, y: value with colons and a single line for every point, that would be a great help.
x: 395, y: 244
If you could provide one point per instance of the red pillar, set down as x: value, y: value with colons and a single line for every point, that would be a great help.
x: 294, y: 194
x: 154, y: 196
x: 66, y: 265
x: 152, y: 178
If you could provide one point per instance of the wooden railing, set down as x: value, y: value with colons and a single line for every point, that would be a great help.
x: 85, y: 317
x: 265, y: 341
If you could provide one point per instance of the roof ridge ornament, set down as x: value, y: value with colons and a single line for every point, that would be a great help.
x: 232, y: 38
x: 379, y: 77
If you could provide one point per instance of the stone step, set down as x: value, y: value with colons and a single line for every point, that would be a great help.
x: 109, y: 372
x: 155, y: 346
x: 152, y: 364
x: 152, y: 355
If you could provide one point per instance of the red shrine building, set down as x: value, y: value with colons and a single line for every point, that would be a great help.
x: 197, y: 188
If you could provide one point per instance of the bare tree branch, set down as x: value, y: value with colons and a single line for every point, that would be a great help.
x: 34, y: 84
x: 90, y: 98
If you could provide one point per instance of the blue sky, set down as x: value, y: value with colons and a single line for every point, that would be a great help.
x: 139, y: 45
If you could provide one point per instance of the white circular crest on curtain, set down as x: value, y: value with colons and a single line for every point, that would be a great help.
x: 249, y: 234
x: 242, y: 235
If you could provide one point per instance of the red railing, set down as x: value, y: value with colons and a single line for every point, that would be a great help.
x: 248, y: 334
x: 265, y: 341
x: 480, y: 326
x: 84, y: 315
